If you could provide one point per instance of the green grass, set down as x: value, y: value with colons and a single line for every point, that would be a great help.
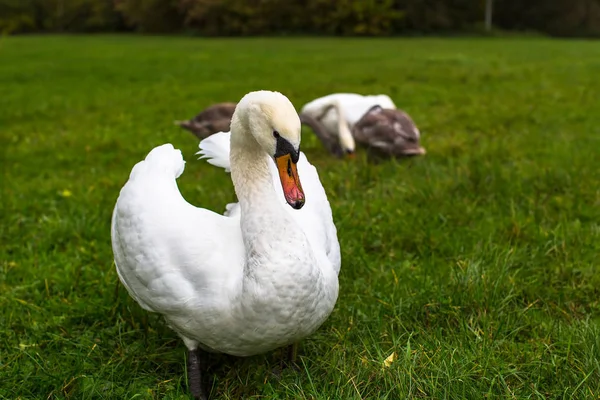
x: 475, y: 264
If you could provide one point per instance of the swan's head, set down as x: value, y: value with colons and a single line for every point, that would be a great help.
x: 274, y: 123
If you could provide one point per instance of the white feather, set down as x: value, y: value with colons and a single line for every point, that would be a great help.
x: 215, y: 149
x: 354, y: 106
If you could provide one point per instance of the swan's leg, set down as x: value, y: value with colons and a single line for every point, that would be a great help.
x: 194, y: 375
x: 194, y: 369
x: 292, y: 353
x: 289, y: 356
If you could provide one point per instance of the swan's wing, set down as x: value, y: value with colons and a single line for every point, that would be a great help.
x: 215, y: 149
x: 372, y: 126
x: 389, y: 130
x: 315, y: 218
x: 169, y: 254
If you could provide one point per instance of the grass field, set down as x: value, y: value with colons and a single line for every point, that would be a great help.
x: 476, y: 265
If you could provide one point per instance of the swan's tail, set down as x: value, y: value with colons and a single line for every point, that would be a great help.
x: 215, y: 149
x: 162, y: 159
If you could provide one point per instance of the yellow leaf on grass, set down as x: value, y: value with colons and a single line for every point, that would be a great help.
x: 388, y: 361
x: 66, y: 193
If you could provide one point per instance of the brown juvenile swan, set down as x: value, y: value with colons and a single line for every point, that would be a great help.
x: 390, y: 131
x: 216, y: 118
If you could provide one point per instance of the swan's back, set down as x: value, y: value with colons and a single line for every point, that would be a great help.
x: 354, y: 106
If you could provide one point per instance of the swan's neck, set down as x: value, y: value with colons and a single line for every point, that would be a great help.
x: 251, y: 175
x: 345, y: 136
x: 281, y: 276
x: 271, y: 236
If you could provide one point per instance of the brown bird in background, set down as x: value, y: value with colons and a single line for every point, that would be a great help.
x: 389, y: 131
x: 215, y: 118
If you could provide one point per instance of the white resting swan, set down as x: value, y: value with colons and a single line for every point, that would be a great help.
x: 339, y: 112
x: 261, y: 277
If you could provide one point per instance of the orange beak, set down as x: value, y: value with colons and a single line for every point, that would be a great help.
x: 288, y: 174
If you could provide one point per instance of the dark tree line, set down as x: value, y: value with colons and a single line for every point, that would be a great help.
x: 300, y: 17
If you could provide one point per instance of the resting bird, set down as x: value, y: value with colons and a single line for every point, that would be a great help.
x: 215, y: 118
x: 263, y: 276
x: 337, y: 114
x: 391, y: 132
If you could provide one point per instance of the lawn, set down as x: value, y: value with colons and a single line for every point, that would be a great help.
x: 475, y: 265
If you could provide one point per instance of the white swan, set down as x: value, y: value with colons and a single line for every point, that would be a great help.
x: 339, y: 112
x: 261, y: 277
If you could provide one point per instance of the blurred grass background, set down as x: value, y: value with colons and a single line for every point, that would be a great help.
x: 476, y: 265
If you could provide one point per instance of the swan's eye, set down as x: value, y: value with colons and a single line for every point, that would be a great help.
x: 275, y: 134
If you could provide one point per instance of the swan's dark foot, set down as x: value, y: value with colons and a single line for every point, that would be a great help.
x: 194, y: 375
x: 292, y: 355
x: 287, y: 360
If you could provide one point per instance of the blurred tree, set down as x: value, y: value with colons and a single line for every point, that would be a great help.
x: 556, y: 17
x: 319, y: 17
x: 255, y: 17
x: 151, y: 16
x: 489, y: 5
x: 78, y: 15
x: 351, y: 17
x: 226, y: 17
x: 59, y: 15
x: 429, y: 16
x: 17, y: 16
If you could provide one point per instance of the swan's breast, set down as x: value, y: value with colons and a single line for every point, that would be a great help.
x: 275, y: 308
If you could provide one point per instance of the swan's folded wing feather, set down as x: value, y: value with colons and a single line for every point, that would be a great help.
x: 315, y: 218
x: 169, y: 254
x: 323, y: 210
x: 215, y: 149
